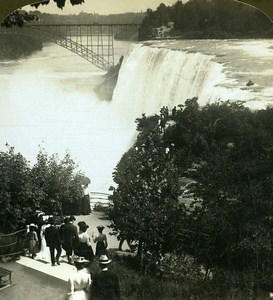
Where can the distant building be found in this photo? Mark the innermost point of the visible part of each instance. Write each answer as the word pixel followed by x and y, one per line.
pixel 163 31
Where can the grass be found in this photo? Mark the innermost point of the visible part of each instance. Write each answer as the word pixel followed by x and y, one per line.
pixel 137 286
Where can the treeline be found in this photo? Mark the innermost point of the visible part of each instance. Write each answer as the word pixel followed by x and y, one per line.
pixel 224 225
pixel 16 46
pixel 207 19
pixel 52 185
pixel 87 18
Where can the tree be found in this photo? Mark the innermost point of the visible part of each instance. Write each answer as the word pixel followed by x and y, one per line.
pixel 62 185
pixel 19 194
pixel 227 151
pixel 208 19
pixel 230 218
pixel 178 15
pixel 16 17
pixel 52 185
pixel 145 203
pixel 59 3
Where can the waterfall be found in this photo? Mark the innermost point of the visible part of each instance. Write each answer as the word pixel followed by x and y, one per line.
pixel 154 77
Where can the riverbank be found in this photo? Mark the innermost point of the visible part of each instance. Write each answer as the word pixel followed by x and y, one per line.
pixel 16 47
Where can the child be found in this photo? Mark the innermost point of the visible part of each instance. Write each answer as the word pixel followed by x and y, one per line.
pixel 32 240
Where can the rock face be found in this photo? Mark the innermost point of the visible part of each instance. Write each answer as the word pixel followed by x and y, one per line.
pixel 105 89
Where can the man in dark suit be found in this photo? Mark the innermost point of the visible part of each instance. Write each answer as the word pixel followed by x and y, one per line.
pixel 69 237
pixel 105 285
pixel 53 241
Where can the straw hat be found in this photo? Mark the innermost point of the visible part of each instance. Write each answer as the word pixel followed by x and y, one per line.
pixel 104 260
pixel 81 260
pixel 33 225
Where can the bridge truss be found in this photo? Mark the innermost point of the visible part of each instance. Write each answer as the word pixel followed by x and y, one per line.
pixel 93 42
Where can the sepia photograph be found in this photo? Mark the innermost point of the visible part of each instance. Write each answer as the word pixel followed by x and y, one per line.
pixel 136 149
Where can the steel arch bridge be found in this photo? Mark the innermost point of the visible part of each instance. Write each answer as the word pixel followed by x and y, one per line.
pixel 93 42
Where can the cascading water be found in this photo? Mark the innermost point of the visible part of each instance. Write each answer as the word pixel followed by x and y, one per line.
pixel 154 77
pixel 48 99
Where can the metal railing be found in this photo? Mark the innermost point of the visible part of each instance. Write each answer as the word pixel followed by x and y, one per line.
pixel 101 199
pixel 14 243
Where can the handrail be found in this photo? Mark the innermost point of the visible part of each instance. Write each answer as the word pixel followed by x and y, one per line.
pixel 83 24
pixel 10 254
pixel 13 243
pixel 10 234
pixel 99 193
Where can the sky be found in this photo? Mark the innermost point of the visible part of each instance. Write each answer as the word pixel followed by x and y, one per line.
pixel 104 7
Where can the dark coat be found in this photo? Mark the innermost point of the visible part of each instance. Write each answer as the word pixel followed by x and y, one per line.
pixel 105 286
pixel 70 236
pixel 52 236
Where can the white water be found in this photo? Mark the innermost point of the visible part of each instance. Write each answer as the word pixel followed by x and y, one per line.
pixel 48 99
pixel 162 77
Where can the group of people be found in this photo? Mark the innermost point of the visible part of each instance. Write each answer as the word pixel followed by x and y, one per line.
pixel 51 237
pixel 75 241
pixel 84 285
pixel 103 285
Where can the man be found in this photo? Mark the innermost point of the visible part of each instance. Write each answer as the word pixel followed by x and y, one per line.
pixel 53 241
pixel 69 237
pixel 105 285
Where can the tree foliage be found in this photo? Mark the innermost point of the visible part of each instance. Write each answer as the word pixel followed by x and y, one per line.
pixel 227 151
pixel 19 18
pixel 19 194
pixel 145 203
pixel 62 185
pixel 51 185
pixel 207 19
pixel 59 3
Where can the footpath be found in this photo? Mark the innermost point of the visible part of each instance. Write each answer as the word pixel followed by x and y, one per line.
pixel 36 279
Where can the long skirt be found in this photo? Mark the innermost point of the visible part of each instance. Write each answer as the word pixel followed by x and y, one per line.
pixel 85 251
pixel 100 248
pixel 33 247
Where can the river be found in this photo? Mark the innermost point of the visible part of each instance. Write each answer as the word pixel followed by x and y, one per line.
pixel 47 100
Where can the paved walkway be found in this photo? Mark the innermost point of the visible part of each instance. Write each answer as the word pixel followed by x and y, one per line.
pixel 32 284
pixel 61 272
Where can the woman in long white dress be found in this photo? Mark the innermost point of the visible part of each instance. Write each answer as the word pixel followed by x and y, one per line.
pixel 80 282
pixel 44 252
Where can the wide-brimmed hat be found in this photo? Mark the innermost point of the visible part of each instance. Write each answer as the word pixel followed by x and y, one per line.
pixel 81 260
pixel 82 224
pixel 100 226
pixel 104 260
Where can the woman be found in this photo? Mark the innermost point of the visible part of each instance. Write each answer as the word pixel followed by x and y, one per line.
pixel 44 252
pixel 32 237
pixel 84 248
pixel 80 282
pixel 101 241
